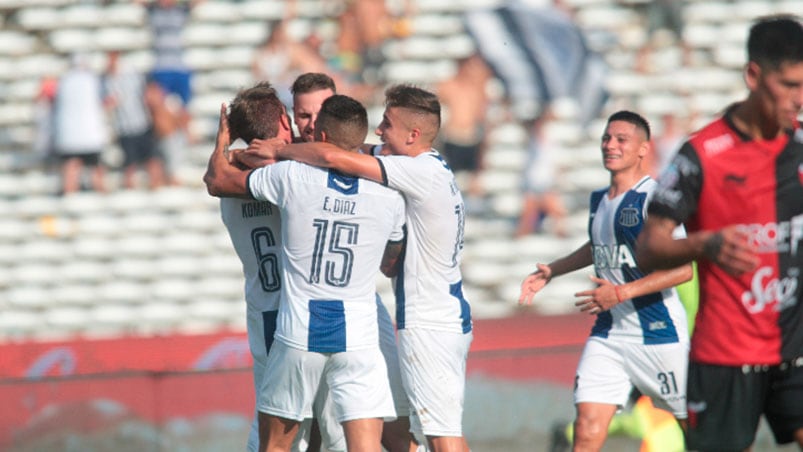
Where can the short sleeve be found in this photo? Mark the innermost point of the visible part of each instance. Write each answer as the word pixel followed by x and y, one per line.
pixel 397 233
pixel 268 183
pixel 679 186
pixel 410 175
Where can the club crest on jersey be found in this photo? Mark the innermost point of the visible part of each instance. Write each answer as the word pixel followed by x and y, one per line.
pixel 628 217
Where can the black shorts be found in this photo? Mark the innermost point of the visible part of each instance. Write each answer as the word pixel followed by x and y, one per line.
pixel 138 149
pixel 461 157
pixel 87 158
pixel 725 404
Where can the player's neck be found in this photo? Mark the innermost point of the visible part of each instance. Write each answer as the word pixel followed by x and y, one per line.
pixel 748 120
pixel 622 181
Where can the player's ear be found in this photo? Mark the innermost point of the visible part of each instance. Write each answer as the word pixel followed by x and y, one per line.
pixel 285 122
pixel 413 135
pixel 644 149
pixel 752 73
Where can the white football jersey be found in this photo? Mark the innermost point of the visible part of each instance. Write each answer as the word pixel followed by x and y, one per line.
pixel 429 288
pixel 614 225
pixel 255 230
pixel 334 232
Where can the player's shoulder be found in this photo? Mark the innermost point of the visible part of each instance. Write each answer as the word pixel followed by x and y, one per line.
pixel 714 139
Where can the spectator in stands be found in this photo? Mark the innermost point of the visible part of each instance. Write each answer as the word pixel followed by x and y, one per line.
pixel 465 101
pixel 167 20
pixel 280 59
pixel 364 28
pixel 667 141
pixel 540 198
pixel 80 129
pixel 43 119
pixel 662 15
pixel 171 141
pixel 124 96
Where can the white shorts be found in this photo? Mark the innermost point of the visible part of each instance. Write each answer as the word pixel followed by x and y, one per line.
pixel 387 343
pixel 358 383
pixel 608 371
pixel 258 344
pixel 433 366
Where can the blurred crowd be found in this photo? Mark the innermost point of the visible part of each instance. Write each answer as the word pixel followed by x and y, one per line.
pixel 145 114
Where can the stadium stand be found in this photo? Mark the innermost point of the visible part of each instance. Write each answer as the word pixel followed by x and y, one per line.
pixel 138 262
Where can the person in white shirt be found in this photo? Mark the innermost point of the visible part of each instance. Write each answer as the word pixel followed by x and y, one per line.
pixel 640 338
pixel 327 320
pixel 432 315
pixel 309 91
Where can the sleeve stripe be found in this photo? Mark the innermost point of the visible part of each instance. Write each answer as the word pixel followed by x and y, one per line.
pixel 384 180
pixel 248 184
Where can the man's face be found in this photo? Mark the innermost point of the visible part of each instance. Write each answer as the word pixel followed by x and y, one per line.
pixel 393 130
pixel 623 145
pixel 781 93
pixel 305 111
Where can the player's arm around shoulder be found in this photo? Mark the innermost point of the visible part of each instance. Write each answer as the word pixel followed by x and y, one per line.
pixel 325 155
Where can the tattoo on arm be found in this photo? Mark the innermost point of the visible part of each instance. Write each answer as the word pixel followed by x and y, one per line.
pixel 713 246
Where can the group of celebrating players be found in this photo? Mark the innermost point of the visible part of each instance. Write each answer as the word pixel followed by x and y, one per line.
pixel 313 220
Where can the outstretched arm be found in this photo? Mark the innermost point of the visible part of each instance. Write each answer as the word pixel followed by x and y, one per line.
pixel 607 295
pixel 536 280
pixel 320 154
pixel 223 179
pixel 728 247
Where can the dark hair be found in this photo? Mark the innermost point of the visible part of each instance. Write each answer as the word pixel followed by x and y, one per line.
pixel 424 105
pixel 312 81
pixel 254 113
pixel 775 40
pixel 633 118
pixel 413 98
pixel 344 120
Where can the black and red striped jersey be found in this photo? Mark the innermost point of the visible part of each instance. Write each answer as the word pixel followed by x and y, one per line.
pixel 722 177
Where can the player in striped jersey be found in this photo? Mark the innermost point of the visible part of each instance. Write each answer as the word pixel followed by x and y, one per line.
pixel 327 320
pixel 432 315
pixel 640 336
pixel 309 91
pixel 255 231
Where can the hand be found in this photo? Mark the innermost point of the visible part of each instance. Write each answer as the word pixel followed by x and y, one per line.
pixel 222 139
pixel 267 149
pixel 599 299
pixel 534 282
pixel 730 248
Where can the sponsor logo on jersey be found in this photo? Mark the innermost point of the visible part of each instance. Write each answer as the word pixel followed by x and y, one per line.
pixel 770 291
pixel 613 256
pixel 783 237
pixel 735 180
pixel 657 325
pixel 629 217
pixel 717 145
